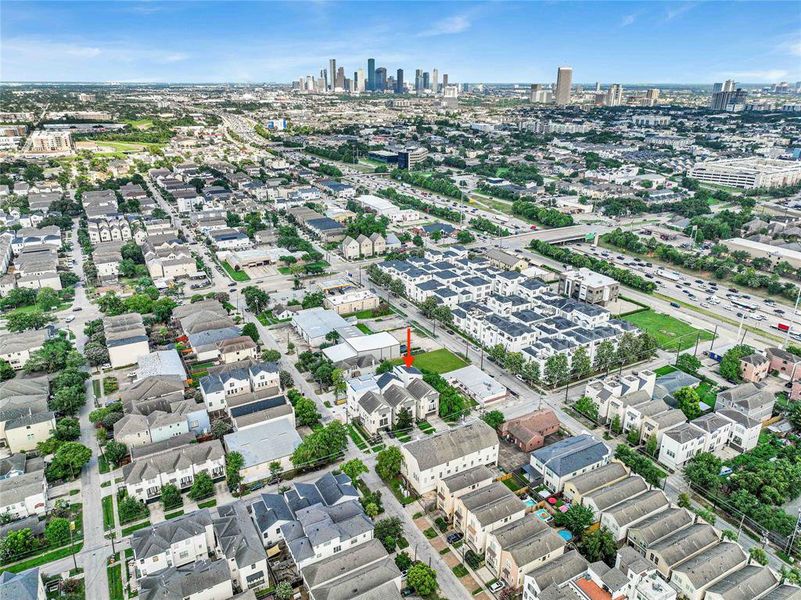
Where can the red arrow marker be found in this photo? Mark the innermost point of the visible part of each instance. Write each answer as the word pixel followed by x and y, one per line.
pixel 408 359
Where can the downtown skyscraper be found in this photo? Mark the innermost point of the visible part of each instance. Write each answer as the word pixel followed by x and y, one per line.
pixel 370 74
pixel 399 82
pixel 564 81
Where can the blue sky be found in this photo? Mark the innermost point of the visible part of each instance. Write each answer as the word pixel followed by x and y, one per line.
pixel 626 42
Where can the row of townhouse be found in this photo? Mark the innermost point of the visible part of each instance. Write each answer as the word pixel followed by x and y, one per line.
pixel 168 258
pixel 37 267
pixel 155 410
pixel 669 552
pixel 634 400
pixel 201 556
pixel 175 461
pixel 363 246
pixel 108 229
pixel 376 401
pixel 33 237
pixel 314 521
pixel 506 307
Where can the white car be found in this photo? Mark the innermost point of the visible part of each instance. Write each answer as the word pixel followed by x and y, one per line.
pixel 704 305
pixel 69 318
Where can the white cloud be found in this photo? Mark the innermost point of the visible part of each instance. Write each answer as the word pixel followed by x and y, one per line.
pixel 677 11
pixel 791 47
pixel 448 26
pixel 628 20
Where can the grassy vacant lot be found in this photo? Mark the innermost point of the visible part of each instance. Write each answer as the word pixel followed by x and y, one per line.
pixel 668 331
pixel 364 328
pixel 233 273
pixel 438 361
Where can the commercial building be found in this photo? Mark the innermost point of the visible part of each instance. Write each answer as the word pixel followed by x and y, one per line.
pixel 126 339
pixel 528 432
pixel 748 173
pixel 589 286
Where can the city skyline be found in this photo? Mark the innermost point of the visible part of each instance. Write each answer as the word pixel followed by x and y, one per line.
pixel 474 42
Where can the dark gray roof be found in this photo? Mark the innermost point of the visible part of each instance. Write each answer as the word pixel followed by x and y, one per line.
pixel 178 583
pixel 236 535
pixel 154 540
pixel 572 454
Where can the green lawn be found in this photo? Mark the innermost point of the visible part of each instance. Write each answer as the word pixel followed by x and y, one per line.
pixel 669 332
pixel 707 393
pixel 666 370
pixel 108 512
pixel 173 515
pixel 129 530
pixel 44 558
pixel 357 438
pixel 115 581
pixel 234 274
pixel 207 503
pixel 438 361
pixel 364 328
pixel 102 464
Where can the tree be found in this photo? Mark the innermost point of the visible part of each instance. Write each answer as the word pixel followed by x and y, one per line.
pixel 703 471
pixel 130 509
pixel 388 462
pixel 202 487
pixel 616 426
pixel 219 428
pixel 404 420
pixel 354 468
pixel 115 452
pixel 16 544
pixel 338 382
pixel 576 519
pixel 587 407
pixel 306 412
pixel 47 299
pixel 531 371
pixel 633 437
pixel 257 300
pixel 651 445
pixel 271 355
pixel 17 322
pixel 170 496
pixel 385 367
pixel 604 356
pixel 687 400
pixel 403 561
pixel 68 400
pixel 251 331
pixel 497 353
pixel 556 370
pixel 758 555
pixel 233 467
pixel 730 363
pixel 285 378
pixel 275 470
pixel 684 500
pixel 68 429
pixel 599 545
pixel 68 461
pixel 581 366
pixel 422 579
pixel 514 362
pixel 688 363
pixel 494 418
pixel 57 532
pixel 96 353
pixel 391 527
pixel 284 591
pixel 323 445
pixel 6 371
pixel 465 237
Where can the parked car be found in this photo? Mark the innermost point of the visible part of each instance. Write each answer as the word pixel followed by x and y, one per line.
pixel 496 587
pixel 675 305
pixel 454 537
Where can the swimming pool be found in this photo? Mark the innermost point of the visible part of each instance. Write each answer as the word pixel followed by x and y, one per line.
pixel 565 534
pixel 530 503
pixel 543 515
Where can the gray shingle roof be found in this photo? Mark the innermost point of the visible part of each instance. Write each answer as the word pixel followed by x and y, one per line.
pixel 450 445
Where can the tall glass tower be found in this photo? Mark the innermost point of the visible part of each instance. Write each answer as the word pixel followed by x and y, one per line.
pixel 370 74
